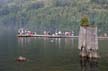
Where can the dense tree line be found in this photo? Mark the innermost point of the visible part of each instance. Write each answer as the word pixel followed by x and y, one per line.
pixel 53 15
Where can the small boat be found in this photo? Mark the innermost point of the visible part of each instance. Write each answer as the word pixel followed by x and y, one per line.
pixel 21 59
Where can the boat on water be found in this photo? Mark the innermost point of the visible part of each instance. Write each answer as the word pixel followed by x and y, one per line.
pixel 21 59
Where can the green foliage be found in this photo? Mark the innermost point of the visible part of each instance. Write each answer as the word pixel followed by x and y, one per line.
pixel 84 21
pixel 54 15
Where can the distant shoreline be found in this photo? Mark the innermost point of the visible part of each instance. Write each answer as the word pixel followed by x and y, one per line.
pixel 56 36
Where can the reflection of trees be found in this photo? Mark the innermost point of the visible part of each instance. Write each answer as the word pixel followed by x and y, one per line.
pixel 89 64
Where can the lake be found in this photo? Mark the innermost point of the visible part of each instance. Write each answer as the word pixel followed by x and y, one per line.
pixel 48 54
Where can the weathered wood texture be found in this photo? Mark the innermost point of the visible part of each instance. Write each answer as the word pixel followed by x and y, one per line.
pixel 88 38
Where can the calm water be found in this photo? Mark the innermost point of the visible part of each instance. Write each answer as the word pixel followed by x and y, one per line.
pixel 46 54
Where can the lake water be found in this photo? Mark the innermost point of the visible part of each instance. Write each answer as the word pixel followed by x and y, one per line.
pixel 48 54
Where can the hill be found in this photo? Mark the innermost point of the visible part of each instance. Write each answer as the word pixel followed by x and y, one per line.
pixel 53 15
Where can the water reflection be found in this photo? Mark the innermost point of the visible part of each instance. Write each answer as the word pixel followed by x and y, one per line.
pixel 69 42
pixel 89 64
pixel 24 42
pixel 23 46
pixel 59 42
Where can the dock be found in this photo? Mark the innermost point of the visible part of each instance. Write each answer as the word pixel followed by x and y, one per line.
pixel 57 36
pixel 48 36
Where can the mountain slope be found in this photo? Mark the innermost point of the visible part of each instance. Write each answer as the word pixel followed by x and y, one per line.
pixel 54 15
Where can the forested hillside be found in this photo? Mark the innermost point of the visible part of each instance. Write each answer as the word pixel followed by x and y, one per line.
pixel 53 15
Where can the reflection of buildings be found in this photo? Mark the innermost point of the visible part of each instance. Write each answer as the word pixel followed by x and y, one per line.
pixel 89 64
pixel 69 42
pixel 23 42
pixel 59 42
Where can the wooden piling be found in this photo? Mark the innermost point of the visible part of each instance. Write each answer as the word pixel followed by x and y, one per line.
pixel 88 41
